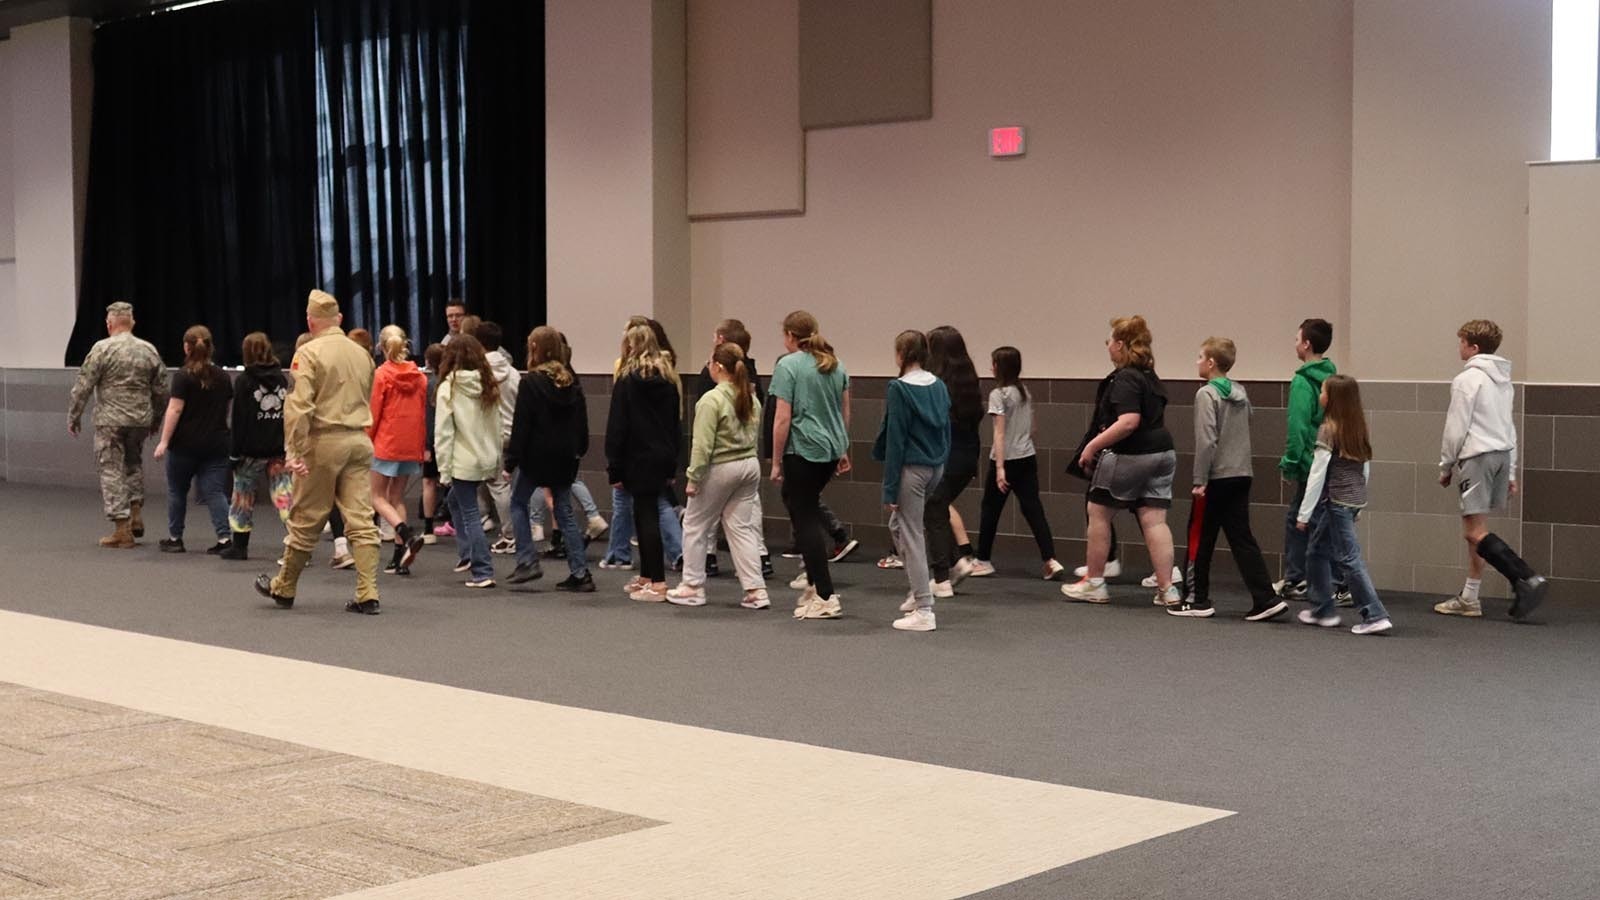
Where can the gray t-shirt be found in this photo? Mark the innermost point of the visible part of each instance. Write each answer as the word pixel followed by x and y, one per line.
pixel 1018 410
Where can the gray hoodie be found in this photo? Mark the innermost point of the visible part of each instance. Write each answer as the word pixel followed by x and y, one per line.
pixel 1221 432
pixel 1480 417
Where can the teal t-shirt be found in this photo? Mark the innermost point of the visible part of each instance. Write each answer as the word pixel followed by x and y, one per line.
pixel 816 424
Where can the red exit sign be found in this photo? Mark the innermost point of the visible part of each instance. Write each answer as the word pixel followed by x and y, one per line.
pixel 1008 141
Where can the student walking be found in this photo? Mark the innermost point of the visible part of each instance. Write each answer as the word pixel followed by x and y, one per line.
pixel 259 394
pixel 724 481
pixel 496 492
pixel 467 444
pixel 949 361
pixel 432 357
pixel 1304 417
pixel 913 444
pixel 1131 460
pixel 549 435
pixel 399 440
pixel 642 443
pixel 195 441
pixel 1479 454
pixel 619 551
pixel 1222 477
pixel 733 331
pixel 1013 466
pixel 810 444
pixel 1336 491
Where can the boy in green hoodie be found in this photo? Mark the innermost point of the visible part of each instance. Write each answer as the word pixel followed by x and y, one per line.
pixel 1311 342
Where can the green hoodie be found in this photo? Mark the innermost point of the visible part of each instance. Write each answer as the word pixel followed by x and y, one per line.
pixel 1305 417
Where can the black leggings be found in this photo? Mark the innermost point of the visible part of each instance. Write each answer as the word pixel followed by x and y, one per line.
pixel 647 528
pixel 803 481
pixel 1023 477
pixel 936 516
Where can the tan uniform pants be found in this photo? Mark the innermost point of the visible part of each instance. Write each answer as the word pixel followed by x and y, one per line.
pixel 340 465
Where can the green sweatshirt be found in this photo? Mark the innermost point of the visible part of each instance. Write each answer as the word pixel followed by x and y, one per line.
pixel 1305 417
pixel 719 436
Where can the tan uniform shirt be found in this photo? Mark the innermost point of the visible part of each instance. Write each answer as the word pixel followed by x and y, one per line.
pixel 332 390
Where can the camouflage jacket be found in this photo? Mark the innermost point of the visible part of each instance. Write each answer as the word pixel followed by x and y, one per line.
pixel 128 379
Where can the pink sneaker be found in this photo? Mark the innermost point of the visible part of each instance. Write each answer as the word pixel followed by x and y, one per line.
pixel 443 529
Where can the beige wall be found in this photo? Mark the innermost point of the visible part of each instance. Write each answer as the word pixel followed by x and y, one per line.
pixel 1186 161
pixel 1563 272
pixel 8 248
pixel 1451 99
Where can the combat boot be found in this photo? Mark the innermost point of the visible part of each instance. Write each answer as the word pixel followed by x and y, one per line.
pixel 121 536
pixel 136 518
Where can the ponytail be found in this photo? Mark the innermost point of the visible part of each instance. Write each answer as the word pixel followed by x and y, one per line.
pixel 392 340
pixel 197 354
pixel 803 326
pixel 731 359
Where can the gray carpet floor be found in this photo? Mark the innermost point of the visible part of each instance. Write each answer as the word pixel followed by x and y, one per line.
pixel 1449 759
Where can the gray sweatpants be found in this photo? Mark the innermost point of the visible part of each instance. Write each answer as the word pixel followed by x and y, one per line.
pixel 729 493
pixel 915 484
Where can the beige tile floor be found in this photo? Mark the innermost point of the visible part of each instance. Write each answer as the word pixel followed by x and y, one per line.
pixel 743 816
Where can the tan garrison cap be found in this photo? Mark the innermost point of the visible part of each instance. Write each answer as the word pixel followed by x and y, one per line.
pixel 120 308
pixel 321 305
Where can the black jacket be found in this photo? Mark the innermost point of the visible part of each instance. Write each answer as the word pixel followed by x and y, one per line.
pixel 258 395
pixel 643 433
pixel 549 431
pixel 704 383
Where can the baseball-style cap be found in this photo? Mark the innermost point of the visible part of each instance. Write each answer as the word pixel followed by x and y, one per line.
pixel 322 305
pixel 120 308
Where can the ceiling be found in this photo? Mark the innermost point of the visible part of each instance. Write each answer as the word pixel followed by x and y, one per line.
pixel 22 12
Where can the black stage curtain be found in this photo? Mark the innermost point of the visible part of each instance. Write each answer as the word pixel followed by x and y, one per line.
pixel 505 168
pixel 202 175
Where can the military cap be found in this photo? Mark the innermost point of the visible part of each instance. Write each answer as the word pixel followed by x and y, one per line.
pixel 321 305
pixel 120 308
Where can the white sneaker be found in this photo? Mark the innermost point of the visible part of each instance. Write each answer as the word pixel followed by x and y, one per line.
pixel 595 527
pixel 1378 626
pixel 538 534
pixel 1086 592
pixel 803 602
pixel 503 547
pixel 488 524
pixel 609 563
pixel 687 595
pixel 1307 618
pixel 819 608
pixel 757 600
pixel 1150 580
pixel 916 620
pixel 910 603
pixel 648 594
pixel 800 582
pixel 1459 606
pixel 342 561
pixel 481 583
pixel 1052 570
pixel 981 568
pixel 430 539
pixel 1169 597
pixel 942 589
pixel 1113 570
pixel 634 584
pixel 961 571
pixel 462 565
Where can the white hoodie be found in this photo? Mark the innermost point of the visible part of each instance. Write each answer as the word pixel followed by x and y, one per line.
pixel 1480 420
pixel 509 379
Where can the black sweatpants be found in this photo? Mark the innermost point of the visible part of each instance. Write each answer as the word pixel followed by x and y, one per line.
pixel 1023 477
pixel 1227 510
pixel 936 516
pixel 803 481
pixel 647 528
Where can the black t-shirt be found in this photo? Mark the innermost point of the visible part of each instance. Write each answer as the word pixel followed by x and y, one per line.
pixel 203 426
pixel 1132 390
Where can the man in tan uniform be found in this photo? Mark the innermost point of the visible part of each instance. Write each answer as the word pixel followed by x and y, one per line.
pixel 326 447
pixel 126 377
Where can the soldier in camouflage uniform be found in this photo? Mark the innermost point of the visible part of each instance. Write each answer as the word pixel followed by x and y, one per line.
pixel 129 383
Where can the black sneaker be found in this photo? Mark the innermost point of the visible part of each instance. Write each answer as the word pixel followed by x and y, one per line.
pixel 1529 594
pixel 264 588
pixel 365 607
pixel 524 574
pixel 792 553
pixel 392 568
pixel 556 551
pixel 1292 590
pixel 172 545
pixel 843 549
pixel 219 548
pixel 1192 610
pixel 584 585
pixel 766 566
pixel 1343 597
pixel 413 542
pixel 712 569
pixel 1270 611
pixel 403 571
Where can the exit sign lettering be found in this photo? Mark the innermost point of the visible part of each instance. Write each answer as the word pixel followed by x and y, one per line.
pixel 1008 141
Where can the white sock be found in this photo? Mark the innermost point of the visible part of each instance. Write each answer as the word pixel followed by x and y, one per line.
pixel 1096 582
pixel 341 547
pixel 1469 593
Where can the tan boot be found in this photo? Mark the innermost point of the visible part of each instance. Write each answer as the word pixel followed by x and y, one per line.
pixel 120 538
pixel 136 518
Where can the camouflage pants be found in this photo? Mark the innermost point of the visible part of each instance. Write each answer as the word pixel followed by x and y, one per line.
pixel 119 451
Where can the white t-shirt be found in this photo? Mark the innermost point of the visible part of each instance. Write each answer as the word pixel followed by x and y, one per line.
pixel 1018 410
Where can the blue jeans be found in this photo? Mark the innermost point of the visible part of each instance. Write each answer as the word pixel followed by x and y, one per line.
pixel 213 474
pixel 471 543
pixel 1294 544
pixel 619 550
pixel 523 490
pixel 580 492
pixel 1333 545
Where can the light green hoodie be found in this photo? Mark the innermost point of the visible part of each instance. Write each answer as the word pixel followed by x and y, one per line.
pixel 466 441
pixel 719 436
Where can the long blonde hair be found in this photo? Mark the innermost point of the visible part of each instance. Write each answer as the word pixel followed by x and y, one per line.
pixel 544 355
pixel 642 354
pixel 392 340
pixel 803 327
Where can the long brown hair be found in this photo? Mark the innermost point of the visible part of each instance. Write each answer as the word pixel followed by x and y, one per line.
pixel 544 355
pixel 197 352
pixel 803 326
pixel 912 348
pixel 1007 363
pixel 731 359
pixel 257 350
pixel 1136 340
pixel 464 353
pixel 1345 420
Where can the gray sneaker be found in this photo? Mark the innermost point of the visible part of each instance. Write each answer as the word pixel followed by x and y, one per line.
pixel 1459 606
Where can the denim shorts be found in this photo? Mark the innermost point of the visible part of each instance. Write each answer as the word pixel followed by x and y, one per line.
pixel 1132 482
pixel 391 469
